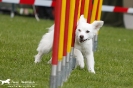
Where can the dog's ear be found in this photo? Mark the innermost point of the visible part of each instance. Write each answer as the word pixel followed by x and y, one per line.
pixel 81 20
pixel 97 25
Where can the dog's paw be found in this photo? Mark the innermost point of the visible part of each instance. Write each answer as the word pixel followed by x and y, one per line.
pixel 37 61
pixel 91 71
pixel 81 65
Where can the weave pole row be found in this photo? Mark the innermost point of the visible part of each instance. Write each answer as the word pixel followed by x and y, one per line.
pixel 67 13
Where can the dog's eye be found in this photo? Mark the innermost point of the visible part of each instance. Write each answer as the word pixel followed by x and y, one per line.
pixel 87 31
pixel 79 30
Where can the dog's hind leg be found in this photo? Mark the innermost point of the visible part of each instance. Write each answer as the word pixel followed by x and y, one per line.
pixel 41 52
pixel 44 46
pixel 42 49
pixel 38 57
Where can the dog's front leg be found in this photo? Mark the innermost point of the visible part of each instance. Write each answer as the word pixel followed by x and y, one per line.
pixel 90 62
pixel 79 58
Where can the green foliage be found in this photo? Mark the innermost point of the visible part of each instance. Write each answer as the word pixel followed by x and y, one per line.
pixel 19 38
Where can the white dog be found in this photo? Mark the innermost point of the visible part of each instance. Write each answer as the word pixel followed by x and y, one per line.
pixel 5 81
pixel 83 43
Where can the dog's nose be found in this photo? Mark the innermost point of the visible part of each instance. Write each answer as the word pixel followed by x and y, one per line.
pixel 81 36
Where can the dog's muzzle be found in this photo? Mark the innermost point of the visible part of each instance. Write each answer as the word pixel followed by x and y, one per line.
pixel 83 40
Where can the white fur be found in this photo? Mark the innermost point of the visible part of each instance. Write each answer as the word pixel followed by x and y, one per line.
pixel 5 81
pixel 83 43
pixel 45 44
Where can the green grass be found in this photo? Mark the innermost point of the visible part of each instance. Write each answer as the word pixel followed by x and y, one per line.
pixel 20 36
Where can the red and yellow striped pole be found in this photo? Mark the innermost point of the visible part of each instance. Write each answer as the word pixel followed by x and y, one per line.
pixel 89 11
pixel 61 43
pixel 94 9
pixel 96 15
pixel 79 9
pixel 86 7
pixel 69 40
pixel 76 13
pixel 64 65
pixel 70 25
pixel 82 7
pixel 99 9
pixel 53 76
pixel 62 27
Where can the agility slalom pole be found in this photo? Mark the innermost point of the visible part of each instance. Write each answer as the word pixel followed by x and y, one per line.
pixel 53 78
pixel 86 7
pixel 99 9
pixel 70 30
pixel 72 61
pixel 64 71
pixel 95 39
pixel 70 26
pixel 97 17
pixel 61 42
pixel 76 12
pixel 62 26
pixel 79 9
pixel 94 9
pixel 89 11
pixel 66 28
pixel 82 7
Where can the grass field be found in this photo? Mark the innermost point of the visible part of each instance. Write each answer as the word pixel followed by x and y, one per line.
pixel 20 36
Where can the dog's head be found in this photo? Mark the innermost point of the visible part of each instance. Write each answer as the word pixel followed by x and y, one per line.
pixel 86 31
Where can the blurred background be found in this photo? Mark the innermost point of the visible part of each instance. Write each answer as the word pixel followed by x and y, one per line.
pixel 47 12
